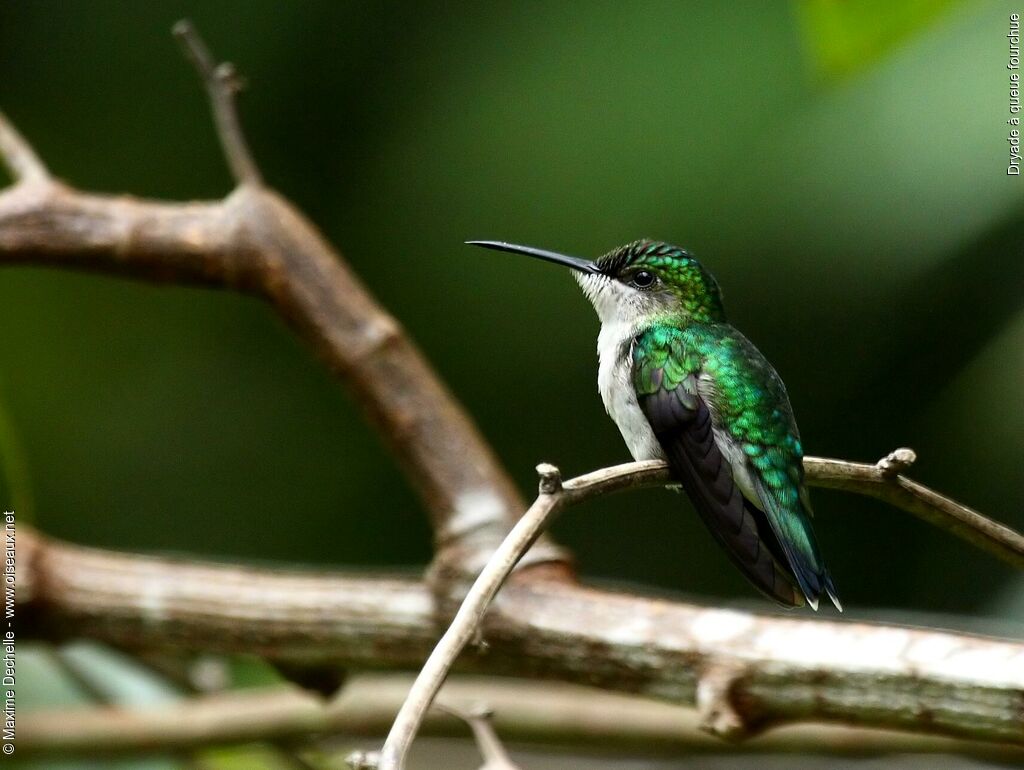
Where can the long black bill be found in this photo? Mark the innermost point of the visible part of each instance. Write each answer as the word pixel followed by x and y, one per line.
pixel 583 265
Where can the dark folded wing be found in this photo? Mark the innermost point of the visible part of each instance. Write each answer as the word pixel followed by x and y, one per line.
pixel 666 385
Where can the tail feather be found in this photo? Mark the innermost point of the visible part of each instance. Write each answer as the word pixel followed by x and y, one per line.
pixel 795 537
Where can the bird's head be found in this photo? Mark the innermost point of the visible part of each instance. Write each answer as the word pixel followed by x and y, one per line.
pixel 641 280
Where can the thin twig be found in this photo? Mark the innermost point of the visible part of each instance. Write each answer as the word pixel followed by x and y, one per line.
pixel 876 480
pixel 884 482
pixel 463 627
pixel 222 84
pixel 18 155
pixel 480 721
pixel 720 715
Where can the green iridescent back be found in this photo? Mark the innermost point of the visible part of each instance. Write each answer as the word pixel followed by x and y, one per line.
pixel 750 402
pixel 680 364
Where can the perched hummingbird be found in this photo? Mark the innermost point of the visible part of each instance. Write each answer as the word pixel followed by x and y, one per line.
pixel 684 386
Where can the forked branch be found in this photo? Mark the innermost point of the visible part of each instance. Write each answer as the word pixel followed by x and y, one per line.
pixel 222 84
pixel 718 679
pixel 255 241
pixel 791 669
pixel 18 155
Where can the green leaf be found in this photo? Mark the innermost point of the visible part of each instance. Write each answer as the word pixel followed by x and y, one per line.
pixel 845 37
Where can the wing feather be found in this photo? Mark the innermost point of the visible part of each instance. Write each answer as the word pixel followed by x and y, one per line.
pixel 773 548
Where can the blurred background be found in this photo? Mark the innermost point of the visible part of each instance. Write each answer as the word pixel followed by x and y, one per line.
pixel 839 167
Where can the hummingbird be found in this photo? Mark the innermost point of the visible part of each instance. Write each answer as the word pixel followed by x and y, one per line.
pixel 685 386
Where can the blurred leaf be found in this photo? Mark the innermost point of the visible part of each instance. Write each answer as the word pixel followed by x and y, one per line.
pixel 45 683
pixel 250 671
pixel 116 678
pixel 979 413
pixel 844 37
pixel 253 757
pixel 41 681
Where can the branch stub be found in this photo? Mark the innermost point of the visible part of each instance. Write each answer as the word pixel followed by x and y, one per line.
pixel 718 714
pixel 550 479
pixel 897 461
pixel 363 760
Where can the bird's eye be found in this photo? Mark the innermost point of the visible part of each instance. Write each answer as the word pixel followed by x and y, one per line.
pixel 643 279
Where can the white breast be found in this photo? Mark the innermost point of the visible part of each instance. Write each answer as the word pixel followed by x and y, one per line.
pixel 615 383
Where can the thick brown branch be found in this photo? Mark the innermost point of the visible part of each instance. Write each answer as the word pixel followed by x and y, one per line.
pixel 255 241
pixel 797 669
pixel 545 713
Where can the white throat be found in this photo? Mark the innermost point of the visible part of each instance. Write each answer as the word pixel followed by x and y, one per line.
pixel 622 318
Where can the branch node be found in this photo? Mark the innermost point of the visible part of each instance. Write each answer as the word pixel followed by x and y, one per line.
pixel 897 461
pixel 230 78
pixel 363 760
pixel 714 700
pixel 550 479
pixel 19 157
pixel 222 83
pixel 478 642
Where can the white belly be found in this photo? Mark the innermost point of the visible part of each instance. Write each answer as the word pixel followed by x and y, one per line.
pixel 615 383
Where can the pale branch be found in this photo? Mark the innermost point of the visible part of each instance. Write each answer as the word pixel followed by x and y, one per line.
pixel 164 681
pixel 480 718
pixel 714 699
pixel 18 155
pixel 222 85
pixel 795 668
pixel 718 681
pixel 466 622
pixel 537 712
pixel 257 242
pixel 882 481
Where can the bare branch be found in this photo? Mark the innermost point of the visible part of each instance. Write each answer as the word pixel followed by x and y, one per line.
pixel 479 718
pixel 18 155
pixel 793 669
pixel 467 620
pixel 222 85
pixel 880 482
pixel 714 696
pixel 538 712
pixel 896 462
pixel 255 241
pixel 715 684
